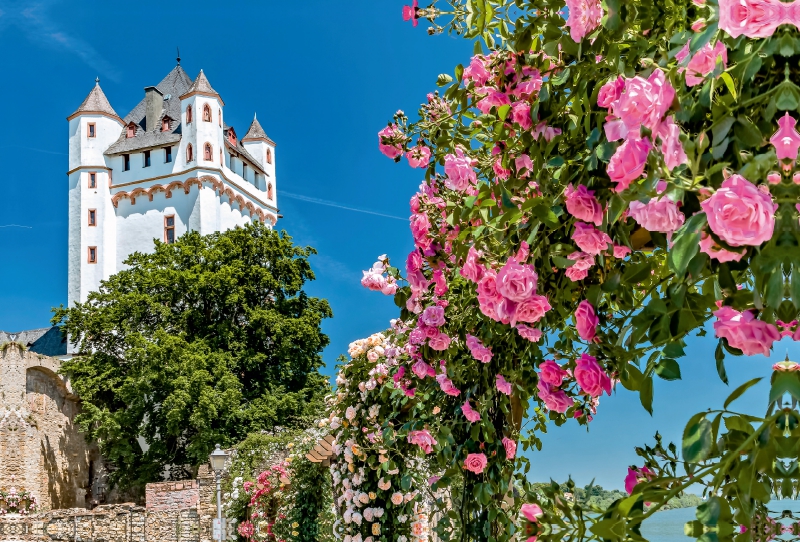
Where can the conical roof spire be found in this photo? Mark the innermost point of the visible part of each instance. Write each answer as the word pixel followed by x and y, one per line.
pixel 256 132
pixel 96 102
pixel 203 87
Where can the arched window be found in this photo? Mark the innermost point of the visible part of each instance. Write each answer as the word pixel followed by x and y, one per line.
pixel 207 156
pixel 189 114
pixel 165 124
pixel 131 130
pixel 206 113
pixel 269 191
pixel 269 156
pixel 189 155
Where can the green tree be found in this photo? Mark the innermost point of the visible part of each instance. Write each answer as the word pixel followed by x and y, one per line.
pixel 202 341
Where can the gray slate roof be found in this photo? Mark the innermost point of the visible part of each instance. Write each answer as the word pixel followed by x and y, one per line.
pixel 256 131
pixel 96 102
pixel 239 148
pixel 202 85
pixel 47 341
pixel 175 84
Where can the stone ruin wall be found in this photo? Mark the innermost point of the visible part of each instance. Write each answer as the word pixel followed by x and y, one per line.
pixel 174 512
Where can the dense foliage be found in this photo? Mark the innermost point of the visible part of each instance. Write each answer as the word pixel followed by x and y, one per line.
pixel 199 342
pixel 601 182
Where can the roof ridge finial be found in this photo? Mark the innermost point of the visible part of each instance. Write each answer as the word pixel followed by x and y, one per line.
pixel 179 56
pixel 97 81
pixel 255 116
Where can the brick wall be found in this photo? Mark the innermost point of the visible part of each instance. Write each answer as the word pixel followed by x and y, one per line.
pixel 172 495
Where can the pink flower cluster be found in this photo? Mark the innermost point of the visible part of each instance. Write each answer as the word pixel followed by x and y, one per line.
pixel 591 377
pixel 745 332
pixel 703 62
pixel 584 17
pixel 390 141
pixel 478 350
pixel 375 280
pixel 740 214
pixel 423 439
pixel 551 377
pixel 756 18
pixel 635 103
pixel 658 214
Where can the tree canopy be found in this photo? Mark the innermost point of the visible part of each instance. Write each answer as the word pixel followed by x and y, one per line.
pixel 202 341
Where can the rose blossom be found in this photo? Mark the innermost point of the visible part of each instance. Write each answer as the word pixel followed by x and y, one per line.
pixel 644 101
pixel 433 316
pixel 521 114
pixel 628 162
pixel 786 140
pixel 554 399
pixel 745 332
pixel 740 214
pixel 511 448
pixel 475 463
pixel 440 342
pixel 447 385
pixel 610 92
pixel 516 282
pixel 422 369
pixel 704 62
pixel 635 476
pixel 458 168
pixel 671 146
pixel 552 373
pixel 708 246
pixel 532 512
pixel 531 310
pixel 523 162
pixel 582 204
pixel 472 270
pixel 589 239
pixel 419 156
pixel 397 498
pixel 420 226
pixel 423 439
pixel 753 18
pixel 584 17
pixel 503 385
pixel 492 98
pixel 391 150
pixel 586 321
pixel 661 215
pixel 620 251
pixel 478 350
pixel 579 270
pixel 529 333
pixel 477 70
pixel 469 413
pixel 592 378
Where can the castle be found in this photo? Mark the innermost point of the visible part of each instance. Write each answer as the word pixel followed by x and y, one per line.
pixel 170 166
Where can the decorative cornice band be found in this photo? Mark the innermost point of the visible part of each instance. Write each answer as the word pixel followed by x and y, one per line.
pixel 70 172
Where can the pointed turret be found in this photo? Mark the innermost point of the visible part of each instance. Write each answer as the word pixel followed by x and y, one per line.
pixel 203 87
pixel 96 103
pixel 256 132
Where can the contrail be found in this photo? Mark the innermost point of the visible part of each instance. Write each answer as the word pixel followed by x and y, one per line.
pixel 15 226
pixel 334 204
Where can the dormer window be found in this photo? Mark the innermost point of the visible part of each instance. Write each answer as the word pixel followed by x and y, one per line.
pixel 189 115
pixel 232 136
pixel 165 124
pixel 206 113
pixel 131 130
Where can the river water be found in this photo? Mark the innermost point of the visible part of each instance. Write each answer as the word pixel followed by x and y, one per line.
pixel 667 526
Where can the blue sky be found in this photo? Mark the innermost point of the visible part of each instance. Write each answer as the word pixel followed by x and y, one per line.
pixel 324 77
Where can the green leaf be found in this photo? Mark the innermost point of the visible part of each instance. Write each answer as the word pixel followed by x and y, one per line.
pixel 546 215
pixel 728 80
pixel 668 369
pixel 635 274
pixel 459 72
pixel 748 133
pixel 785 382
pixel 646 394
pixel 720 363
pixel 502 111
pixel 443 80
pixel 687 244
pixel 696 439
pixel 708 512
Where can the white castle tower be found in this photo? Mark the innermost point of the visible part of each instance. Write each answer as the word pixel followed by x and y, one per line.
pixel 171 165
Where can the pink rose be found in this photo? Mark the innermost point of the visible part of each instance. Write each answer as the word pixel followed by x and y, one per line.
pixel 586 321
pixel 753 18
pixel 529 333
pixel 516 282
pixel 423 439
pixel 740 214
pixel 472 270
pixel 745 332
pixel 523 163
pixel 641 103
pixel 532 512
pixel 458 168
pixel 592 378
pixel 708 246
pixel 610 92
pixel 478 350
pixel 419 156
pixel 423 370
pixel 621 251
pixel 373 281
pixel 385 138
pixel 447 385
pixel 704 61
pixel 531 310
pixel 786 140
pixel 635 476
pixel 503 385
pixel 511 448
pixel 615 129
pixel 475 463
pixel 477 71
pixel 420 226
pixel 661 215
pixel 542 129
pixel 582 204
pixel 579 270
pixel 553 398
pixel 628 162
pixel 469 413
pixel 589 239
pixel 506 311
pixel 492 98
pixel 440 342
pixel 552 373
pixel 671 146
pixel 521 114
pixel 433 316
pixel 584 17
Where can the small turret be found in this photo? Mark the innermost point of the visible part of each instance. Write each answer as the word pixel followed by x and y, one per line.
pixel 262 148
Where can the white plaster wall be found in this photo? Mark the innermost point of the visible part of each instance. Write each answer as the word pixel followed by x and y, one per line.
pixel 86 151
